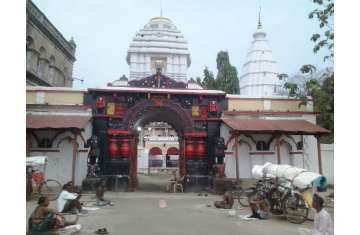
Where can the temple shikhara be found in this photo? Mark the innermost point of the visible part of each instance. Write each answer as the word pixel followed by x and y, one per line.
pixel 157 118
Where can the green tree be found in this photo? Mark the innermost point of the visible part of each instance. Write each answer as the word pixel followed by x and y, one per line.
pixel 226 79
pixel 208 81
pixel 324 13
pixel 320 92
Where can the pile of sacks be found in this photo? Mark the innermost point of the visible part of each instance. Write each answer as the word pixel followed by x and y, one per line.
pixel 299 177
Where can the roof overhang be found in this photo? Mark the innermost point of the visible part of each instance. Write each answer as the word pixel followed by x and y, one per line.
pixel 51 121
pixel 261 126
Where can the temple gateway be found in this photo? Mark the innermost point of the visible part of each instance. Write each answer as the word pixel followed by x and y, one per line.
pixel 156 118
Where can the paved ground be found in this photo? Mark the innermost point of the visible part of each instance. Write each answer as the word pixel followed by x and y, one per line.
pixel 139 213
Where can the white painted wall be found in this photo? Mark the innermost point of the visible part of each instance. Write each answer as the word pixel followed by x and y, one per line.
pixel 59 165
pixel 327 156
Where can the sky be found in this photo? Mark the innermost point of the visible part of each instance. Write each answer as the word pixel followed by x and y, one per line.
pixel 103 31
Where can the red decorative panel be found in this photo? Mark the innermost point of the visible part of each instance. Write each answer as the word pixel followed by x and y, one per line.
pixel 119 109
pixel 204 111
pixel 195 134
pixel 200 149
pixel 125 148
pixel 213 107
pixel 100 102
pixel 118 132
pixel 113 148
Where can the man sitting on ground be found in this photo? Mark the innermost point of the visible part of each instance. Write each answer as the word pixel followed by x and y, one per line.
pixel 45 219
pixel 226 203
pixel 260 206
pixel 323 224
pixel 69 201
pixel 100 190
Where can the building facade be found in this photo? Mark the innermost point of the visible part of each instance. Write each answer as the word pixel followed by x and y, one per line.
pixel 159 45
pixel 49 56
pixel 57 126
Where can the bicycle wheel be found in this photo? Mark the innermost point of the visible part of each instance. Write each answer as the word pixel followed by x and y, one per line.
pixel 295 209
pixel 50 189
pixel 244 197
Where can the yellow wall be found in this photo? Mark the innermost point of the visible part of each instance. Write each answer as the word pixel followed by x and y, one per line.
pixel 56 97
pixel 258 104
pixel 236 104
pixel 291 105
pixel 64 98
pixel 30 97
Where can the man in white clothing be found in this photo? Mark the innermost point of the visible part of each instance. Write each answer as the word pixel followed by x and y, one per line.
pixel 323 224
pixel 68 201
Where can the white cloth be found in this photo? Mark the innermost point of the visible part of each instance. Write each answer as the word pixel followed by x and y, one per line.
pixel 323 224
pixel 63 198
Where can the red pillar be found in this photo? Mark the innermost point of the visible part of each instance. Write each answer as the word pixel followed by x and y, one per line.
pixel 133 163
pixel 182 157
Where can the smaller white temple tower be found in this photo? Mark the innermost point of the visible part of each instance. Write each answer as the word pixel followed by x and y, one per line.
pixel 259 72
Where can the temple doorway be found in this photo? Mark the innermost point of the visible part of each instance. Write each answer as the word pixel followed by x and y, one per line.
pixel 157 155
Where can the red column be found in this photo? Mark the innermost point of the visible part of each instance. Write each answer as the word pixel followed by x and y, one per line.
pixel 182 157
pixel 133 164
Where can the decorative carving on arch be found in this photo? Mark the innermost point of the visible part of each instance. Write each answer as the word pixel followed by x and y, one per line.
pixel 158 110
pixel 157 81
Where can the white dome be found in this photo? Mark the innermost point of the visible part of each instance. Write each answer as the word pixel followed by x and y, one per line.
pixel 158 40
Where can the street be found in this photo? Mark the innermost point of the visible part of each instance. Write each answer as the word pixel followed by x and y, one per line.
pixel 140 213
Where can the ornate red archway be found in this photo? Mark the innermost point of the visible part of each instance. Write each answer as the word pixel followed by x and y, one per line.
pixel 172 151
pixel 155 151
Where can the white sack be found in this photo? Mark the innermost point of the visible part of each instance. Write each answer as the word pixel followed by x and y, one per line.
pixel 36 161
pixel 299 177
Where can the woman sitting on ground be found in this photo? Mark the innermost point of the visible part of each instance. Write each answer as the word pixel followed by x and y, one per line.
pixel 45 219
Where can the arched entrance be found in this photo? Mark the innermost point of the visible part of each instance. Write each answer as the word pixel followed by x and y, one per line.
pixel 157 110
pixel 119 112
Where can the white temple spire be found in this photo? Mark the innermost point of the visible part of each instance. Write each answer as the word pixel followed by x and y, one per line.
pixel 259 19
pixel 160 7
pixel 259 72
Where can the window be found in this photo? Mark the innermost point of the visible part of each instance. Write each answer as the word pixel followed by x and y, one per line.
pixel 155 26
pixel 300 145
pixel 262 146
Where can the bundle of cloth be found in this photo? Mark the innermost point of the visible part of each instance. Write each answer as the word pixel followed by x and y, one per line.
pixel 299 177
pixel 36 161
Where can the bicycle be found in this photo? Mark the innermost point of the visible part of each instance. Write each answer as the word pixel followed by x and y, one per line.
pixel 44 187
